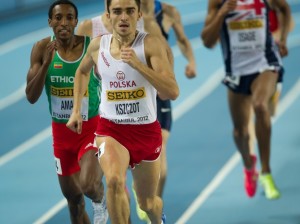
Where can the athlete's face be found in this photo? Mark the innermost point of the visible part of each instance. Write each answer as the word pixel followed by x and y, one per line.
pixel 123 15
pixel 63 21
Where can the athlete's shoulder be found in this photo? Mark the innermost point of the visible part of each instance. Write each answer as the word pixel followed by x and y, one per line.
pixel 85 27
pixel 42 44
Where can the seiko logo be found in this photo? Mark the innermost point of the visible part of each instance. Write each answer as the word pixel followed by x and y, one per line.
pixel 126 95
pixel 104 59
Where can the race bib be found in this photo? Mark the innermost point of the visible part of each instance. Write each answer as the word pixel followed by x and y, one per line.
pixel 62 103
pixel 247 35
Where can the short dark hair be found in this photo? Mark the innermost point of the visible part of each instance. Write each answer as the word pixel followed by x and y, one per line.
pixel 108 3
pixel 62 2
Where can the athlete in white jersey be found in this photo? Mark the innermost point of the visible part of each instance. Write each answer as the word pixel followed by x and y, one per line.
pixel 253 67
pixel 144 69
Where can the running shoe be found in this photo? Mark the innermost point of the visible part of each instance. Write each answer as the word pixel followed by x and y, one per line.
pixel 100 212
pixel 163 219
pixel 251 178
pixel 140 213
pixel 270 189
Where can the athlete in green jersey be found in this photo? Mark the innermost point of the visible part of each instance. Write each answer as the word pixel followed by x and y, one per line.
pixel 53 64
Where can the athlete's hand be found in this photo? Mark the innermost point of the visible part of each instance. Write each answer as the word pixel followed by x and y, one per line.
pixel 190 71
pixel 128 55
pixel 228 6
pixel 283 50
pixel 75 123
pixel 50 50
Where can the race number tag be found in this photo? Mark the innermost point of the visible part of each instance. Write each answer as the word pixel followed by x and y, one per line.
pixel 247 35
pixel 233 80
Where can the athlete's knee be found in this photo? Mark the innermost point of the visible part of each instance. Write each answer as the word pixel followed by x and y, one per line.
pixel 241 132
pixel 91 186
pixel 115 182
pixel 261 107
pixel 76 204
pixel 146 204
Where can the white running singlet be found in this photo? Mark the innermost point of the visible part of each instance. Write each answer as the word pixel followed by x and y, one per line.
pixel 126 97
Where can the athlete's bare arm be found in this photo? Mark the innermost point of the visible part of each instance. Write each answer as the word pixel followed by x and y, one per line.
pixel 285 23
pixel 159 71
pixel 40 59
pixel 85 28
pixel 214 20
pixel 81 82
pixel 182 40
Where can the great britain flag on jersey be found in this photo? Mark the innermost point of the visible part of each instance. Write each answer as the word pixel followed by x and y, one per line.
pixel 256 6
pixel 248 15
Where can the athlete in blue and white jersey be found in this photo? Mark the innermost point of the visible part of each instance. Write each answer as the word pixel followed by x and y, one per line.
pixel 253 68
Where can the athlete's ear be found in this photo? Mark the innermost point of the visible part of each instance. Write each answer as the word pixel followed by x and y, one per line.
pixel 49 22
pixel 107 15
pixel 140 14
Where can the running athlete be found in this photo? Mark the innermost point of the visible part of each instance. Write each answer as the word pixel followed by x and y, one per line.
pixel 53 64
pixel 100 25
pixel 253 67
pixel 133 71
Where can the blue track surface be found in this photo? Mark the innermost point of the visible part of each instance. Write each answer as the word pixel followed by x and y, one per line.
pixel 205 181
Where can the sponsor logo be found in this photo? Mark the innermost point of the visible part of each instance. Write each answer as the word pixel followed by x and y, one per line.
pixel 118 95
pixel 104 59
pixel 248 24
pixel 158 149
pixel 63 92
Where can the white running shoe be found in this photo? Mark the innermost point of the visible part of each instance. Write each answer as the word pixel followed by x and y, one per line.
pixel 100 212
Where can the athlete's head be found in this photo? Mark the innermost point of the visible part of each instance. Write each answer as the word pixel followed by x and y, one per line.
pixel 109 2
pixel 62 2
pixel 62 19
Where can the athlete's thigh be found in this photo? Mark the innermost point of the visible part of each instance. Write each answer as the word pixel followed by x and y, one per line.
pixel 113 157
pixel 146 177
pixel 163 155
pixel 90 170
pixel 264 86
pixel 240 108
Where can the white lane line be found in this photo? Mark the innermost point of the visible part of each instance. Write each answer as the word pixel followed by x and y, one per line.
pixel 13 98
pixel 29 144
pixel 284 104
pixel 54 210
pixel 203 91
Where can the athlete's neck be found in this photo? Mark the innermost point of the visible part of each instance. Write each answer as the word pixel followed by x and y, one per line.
pixel 125 41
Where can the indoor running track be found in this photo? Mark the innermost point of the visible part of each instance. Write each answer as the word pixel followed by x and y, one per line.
pixel 205 181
